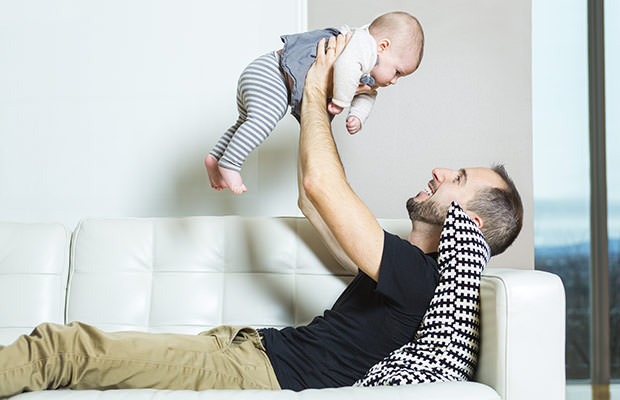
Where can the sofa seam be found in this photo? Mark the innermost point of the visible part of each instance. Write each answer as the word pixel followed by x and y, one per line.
pixel 71 269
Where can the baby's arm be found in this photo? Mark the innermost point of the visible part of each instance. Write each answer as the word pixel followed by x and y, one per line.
pixel 361 106
pixel 357 58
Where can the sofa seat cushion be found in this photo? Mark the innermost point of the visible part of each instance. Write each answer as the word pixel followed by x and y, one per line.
pixel 427 391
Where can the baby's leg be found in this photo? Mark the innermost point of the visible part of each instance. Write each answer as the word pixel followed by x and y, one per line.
pixel 264 96
pixel 215 178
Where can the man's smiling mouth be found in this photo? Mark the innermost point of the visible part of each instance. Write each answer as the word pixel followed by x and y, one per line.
pixel 430 190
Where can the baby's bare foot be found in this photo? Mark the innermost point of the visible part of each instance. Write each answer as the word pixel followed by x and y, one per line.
pixel 233 180
pixel 217 182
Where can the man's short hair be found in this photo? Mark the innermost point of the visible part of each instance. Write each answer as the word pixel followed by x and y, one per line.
pixel 501 210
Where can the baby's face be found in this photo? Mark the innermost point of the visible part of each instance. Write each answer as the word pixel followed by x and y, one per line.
pixel 392 65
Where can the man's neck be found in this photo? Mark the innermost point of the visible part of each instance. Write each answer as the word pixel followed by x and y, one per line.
pixel 425 236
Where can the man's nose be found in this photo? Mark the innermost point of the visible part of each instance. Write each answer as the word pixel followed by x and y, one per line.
pixel 440 174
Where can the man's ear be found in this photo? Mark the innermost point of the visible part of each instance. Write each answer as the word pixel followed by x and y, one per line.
pixel 383 45
pixel 476 218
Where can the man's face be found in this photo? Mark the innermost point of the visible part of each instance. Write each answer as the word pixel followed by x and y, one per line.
pixel 431 204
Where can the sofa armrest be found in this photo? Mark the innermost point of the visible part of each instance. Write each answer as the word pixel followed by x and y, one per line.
pixel 522 334
pixel 34 264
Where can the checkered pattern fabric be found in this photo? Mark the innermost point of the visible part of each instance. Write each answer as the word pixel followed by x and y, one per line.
pixel 445 347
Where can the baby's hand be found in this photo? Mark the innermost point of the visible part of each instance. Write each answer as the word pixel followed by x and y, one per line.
pixel 334 109
pixel 353 124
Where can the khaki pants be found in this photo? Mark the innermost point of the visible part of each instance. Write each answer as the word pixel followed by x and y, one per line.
pixel 79 356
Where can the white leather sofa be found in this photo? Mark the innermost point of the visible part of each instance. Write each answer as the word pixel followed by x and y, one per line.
pixel 188 275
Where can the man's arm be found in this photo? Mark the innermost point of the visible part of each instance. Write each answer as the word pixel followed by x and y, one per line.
pixel 347 218
pixel 307 208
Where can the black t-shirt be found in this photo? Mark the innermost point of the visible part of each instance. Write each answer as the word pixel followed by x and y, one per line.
pixel 368 321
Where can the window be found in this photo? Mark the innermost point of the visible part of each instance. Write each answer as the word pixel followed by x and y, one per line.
pixel 561 163
pixel 612 94
pixel 562 153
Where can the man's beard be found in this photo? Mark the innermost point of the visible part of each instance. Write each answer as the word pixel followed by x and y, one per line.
pixel 427 211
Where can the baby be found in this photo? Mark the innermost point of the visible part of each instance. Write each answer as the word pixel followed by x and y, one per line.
pixel 376 56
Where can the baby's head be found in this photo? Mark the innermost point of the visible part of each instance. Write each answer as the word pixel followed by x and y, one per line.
pixel 400 41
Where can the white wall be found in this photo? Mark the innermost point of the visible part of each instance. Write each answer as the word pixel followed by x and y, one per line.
pixel 108 108
pixel 469 104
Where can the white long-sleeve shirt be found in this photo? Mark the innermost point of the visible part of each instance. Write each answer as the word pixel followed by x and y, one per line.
pixel 356 61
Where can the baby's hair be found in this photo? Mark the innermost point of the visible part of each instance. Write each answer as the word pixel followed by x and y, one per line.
pixel 402 28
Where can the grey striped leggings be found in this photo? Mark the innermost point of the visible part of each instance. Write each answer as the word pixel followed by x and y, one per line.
pixel 262 100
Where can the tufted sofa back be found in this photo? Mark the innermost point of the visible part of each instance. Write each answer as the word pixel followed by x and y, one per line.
pixel 192 274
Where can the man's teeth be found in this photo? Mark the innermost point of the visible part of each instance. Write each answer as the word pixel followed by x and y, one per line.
pixel 428 191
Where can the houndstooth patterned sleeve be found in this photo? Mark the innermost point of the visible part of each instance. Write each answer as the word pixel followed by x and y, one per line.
pixel 445 347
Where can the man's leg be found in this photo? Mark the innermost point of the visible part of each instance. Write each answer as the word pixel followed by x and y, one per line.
pixel 79 356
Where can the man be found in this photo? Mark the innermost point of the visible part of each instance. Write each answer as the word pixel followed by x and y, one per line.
pixel 378 312
pixel 382 308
